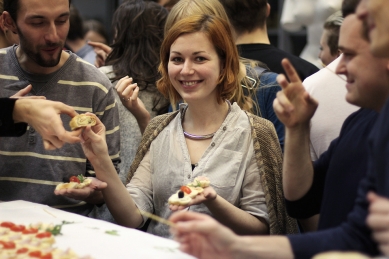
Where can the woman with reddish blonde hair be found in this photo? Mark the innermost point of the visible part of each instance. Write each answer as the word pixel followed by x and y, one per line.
pixel 207 136
pixel 258 86
pixel 220 36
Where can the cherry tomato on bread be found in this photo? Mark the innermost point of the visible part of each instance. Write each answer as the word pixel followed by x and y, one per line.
pixel 186 189
pixel 74 179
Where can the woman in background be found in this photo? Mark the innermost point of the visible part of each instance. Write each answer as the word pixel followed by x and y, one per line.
pixel 138 27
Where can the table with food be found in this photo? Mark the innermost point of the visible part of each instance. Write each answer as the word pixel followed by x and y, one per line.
pixel 31 230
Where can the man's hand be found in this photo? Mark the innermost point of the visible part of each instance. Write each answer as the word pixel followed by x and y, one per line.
pixel 202 236
pixel 90 193
pixel 22 94
pixel 293 105
pixel 378 220
pixel 102 51
pixel 44 117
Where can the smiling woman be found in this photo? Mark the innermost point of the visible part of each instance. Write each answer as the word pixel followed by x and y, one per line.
pixel 238 152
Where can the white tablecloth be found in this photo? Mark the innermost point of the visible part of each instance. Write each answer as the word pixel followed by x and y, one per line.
pixel 88 236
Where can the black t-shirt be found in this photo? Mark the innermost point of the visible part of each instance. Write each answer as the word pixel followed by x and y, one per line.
pixel 272 57
pixel 7 126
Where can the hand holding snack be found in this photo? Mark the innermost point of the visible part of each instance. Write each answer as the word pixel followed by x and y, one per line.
pixel 82 120
pixel 75 182
pixel 94 143
pixel 44 117
pixel 80 190
pixel 196 192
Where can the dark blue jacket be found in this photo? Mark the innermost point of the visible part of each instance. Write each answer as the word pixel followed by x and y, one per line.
pixel 354 234
pixel 265 95
pixel 337 173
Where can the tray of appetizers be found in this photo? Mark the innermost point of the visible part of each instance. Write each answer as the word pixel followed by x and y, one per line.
pixel 31 230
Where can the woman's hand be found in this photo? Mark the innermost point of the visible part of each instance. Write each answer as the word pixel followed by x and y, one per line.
pixel 93 141
pixel 128 93
pixel 208 195
pixel 86 193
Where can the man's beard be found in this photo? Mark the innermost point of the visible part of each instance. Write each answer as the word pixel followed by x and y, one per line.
pixel 36 56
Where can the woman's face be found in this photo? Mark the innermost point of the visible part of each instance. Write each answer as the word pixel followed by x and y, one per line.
pixel 194 67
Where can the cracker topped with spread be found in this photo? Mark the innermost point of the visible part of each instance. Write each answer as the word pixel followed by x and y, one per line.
pixel 188 192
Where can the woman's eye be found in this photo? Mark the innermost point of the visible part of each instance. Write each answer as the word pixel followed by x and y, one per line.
pixel 176 59
pixel 200 59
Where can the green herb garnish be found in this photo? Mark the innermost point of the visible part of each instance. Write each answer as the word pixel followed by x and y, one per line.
pixel 112 232
pixel 81 178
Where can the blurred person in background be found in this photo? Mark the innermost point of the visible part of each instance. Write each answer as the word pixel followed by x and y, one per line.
pixel 76 41
pixel 95 31
pixel 329 50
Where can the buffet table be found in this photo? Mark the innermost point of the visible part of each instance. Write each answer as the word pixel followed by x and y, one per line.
pixel 90 237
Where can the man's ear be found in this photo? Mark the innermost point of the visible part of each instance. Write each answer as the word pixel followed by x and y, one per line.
pixel 8 23
pixel 268 10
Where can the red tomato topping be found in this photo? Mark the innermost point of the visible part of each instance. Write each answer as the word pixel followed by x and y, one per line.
pixel 35 254
pixel 30 231
pixel 47 256
pixel 43 235
pixel 74 179
pixel 186 189
pixel 18 228
pixel 8 245
pixel 22 250
pixel 7 224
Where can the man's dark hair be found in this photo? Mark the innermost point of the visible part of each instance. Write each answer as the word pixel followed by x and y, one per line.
pixel 76 25
pixel 349 7
pixel 246 15
pixel 12 6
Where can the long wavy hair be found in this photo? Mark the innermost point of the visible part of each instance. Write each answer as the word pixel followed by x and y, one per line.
pixel 138 26
pixel 219 33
